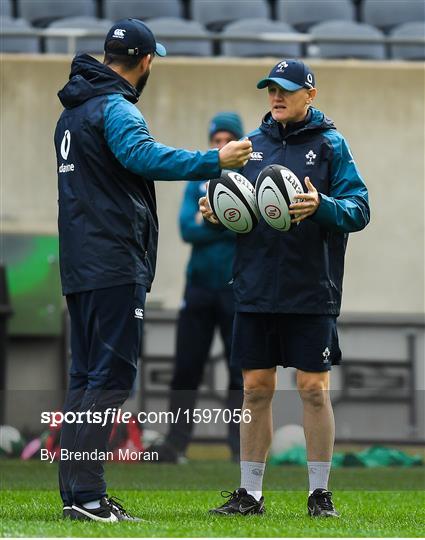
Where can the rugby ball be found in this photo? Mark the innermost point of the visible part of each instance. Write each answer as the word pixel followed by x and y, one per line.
pixel 287 437
pixel 11 442
pixel 275 189
pixel 232 199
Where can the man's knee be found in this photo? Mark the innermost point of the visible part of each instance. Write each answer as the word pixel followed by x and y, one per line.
pixel 313 388
pixel 259 386
pixel 119 380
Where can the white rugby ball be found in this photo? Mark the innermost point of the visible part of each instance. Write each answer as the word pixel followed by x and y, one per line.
pixel 11 442
pixel 287 437
pixel 275 189
pixel 232 199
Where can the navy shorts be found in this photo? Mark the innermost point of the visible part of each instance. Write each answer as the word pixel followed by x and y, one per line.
pixel 266 340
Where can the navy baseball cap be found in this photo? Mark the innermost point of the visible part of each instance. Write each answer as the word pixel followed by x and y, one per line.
pixel 291 75
pixel 137 39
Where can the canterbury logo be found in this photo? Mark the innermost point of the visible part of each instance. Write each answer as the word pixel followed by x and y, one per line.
pixel 138 313
pixel 119 33
pixel 256 156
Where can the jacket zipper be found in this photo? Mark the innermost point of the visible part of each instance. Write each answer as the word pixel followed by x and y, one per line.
pixel 284 149
pixel 284 145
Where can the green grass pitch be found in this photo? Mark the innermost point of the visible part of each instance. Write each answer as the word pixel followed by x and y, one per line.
pixel 174 501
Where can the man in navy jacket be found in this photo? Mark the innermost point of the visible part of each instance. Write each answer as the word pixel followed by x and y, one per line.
pixel 108 231
pixel 288 286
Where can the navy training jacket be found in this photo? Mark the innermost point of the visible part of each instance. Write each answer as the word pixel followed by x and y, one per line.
pixel 213 250
pixel 301 271
pixel 107 162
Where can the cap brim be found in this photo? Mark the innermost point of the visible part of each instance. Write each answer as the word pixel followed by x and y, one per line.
pixel 283 83
pixel 160 49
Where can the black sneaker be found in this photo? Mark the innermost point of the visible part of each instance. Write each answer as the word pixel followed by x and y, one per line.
pixel 109 511
pixel 320 504
pixel 239 502
pixel 67 512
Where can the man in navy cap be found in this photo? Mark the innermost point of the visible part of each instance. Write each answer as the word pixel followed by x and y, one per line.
pixel 207 305
pixel 288 286
pixel 108 233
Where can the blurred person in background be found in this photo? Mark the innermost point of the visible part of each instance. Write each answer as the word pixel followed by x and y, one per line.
pixel 207 304
pixel 108 234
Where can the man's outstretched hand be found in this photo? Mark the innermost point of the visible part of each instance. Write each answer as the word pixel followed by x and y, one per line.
pixel 235 154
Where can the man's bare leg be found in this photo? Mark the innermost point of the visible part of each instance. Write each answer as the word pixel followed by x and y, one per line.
pixel 256 435
pixel 319 425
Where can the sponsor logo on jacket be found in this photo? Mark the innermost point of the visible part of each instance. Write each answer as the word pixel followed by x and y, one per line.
pixel 64 150
pixel 66 144
pixel 256 156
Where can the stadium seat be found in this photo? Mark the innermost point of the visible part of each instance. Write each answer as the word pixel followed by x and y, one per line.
pixel 43 12
pixel 215 14
pixel 254 27
pixel 302 14
pixel 5 8
pixel 409 52
pixel 386 14
pixel 346 30
pixel 17 44
pixel 141 9
pixel 188 47
pixel 92 45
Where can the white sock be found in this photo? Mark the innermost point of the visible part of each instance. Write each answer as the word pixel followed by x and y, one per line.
pixel 92 504
pixel 252 473
pixel 318 474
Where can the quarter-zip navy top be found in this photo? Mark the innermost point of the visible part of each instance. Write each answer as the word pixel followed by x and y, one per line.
pixel 301 271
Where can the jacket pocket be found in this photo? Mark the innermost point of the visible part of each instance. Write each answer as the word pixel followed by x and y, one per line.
pixel 142 229
pixel 147 237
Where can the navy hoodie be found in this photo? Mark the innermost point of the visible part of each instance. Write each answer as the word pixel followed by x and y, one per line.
pixel 301 271
pixel 107 162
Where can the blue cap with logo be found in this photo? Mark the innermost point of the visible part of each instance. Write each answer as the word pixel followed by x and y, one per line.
pixel 136 39
pixel 291 75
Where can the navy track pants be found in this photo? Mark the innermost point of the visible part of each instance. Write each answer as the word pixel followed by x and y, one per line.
pixel 106 337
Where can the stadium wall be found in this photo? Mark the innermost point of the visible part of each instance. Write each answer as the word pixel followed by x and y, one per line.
pixel 379 107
